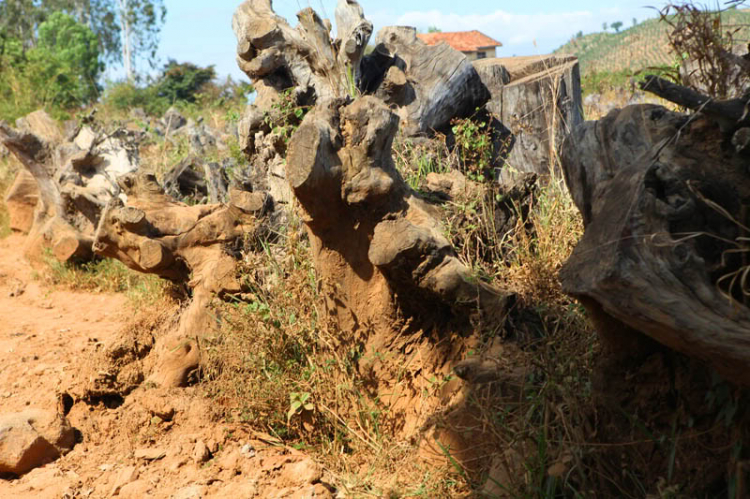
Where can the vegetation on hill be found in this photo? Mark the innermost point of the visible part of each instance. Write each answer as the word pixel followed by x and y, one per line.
pixel 645 45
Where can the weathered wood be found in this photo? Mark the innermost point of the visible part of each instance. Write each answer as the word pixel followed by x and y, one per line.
pixel 73 183
pixel 539 99
pixel 353 33
pixel 155 234
pixel 360 212
pixel 729 114
pixel 92 198
pixel 21 200
pixel 440 82
pixel 665 210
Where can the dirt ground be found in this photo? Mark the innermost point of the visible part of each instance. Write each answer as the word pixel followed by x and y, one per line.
pixel 149 443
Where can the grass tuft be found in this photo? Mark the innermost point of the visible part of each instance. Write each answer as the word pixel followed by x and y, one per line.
pixel 106 276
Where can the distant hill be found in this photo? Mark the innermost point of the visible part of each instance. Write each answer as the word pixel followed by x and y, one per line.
pixel 641 46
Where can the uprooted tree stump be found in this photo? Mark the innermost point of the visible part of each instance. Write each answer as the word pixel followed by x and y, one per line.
pixel 301 67
pixel 391 281
pixel 664 198
pixel 88 197
pixel 155 234
pixel 72 182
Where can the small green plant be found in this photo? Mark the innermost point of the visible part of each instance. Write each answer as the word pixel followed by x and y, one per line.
pixel 298 402
pixel 474 145
pixel 285 116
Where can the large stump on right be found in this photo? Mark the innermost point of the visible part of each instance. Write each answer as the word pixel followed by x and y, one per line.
pixel 666 252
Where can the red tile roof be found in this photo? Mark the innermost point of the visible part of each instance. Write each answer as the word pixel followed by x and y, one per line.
pixel 463 41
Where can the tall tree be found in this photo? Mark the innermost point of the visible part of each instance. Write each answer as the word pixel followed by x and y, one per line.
pixel 140 24
pixel 19 20
pixel 126 30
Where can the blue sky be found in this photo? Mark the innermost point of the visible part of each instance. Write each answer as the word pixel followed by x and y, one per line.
pixel 200 31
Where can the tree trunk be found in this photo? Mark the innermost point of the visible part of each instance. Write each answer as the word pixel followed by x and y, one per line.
pixel 93 199
pixel 539 99
pixel 664 202
pixel 392 282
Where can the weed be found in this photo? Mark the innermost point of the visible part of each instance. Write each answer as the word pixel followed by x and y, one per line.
pixel 417 160
pixel 474 147
pixel 701 39
pixel 285 115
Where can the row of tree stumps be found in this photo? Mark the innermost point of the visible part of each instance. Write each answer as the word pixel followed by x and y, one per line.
pixel 663 197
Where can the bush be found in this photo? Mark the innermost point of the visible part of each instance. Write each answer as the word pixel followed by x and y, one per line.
pixel 125 95
pixel 184 85
pixel 58 74
pixel 183 81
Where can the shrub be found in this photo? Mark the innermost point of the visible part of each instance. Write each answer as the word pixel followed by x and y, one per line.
pixel 183 81
pixel 58 74
pixel 125 95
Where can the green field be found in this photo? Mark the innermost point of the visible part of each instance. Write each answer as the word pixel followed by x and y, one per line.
pixel 642 46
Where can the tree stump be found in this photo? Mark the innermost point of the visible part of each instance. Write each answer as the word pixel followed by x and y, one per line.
pixel 664 198
pixel 392 282
pixel 539 99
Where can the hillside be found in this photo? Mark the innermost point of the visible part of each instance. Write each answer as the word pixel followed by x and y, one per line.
pixel 641 46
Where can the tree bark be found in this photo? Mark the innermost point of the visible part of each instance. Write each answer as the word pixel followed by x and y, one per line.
pixel 664 203
pixel 539 99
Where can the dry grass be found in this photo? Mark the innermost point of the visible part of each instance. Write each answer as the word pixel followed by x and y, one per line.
pixel 275 346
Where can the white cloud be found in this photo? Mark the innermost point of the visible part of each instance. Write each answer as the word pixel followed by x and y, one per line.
pixel 522 33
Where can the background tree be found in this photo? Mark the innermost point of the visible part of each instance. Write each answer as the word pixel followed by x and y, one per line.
pixel 19 20
pixel 183 81
pixel 434 29
pixel 617 25
pixel 635 22
pixel 58 73
pixel 140 24
pixel 604 26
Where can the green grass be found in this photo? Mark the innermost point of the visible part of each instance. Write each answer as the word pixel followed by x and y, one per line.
pixel 105 276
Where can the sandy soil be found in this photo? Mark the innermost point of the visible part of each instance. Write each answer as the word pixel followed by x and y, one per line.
pixel 150 443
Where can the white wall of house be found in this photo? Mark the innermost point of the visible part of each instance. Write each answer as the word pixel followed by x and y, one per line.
pixel 488 53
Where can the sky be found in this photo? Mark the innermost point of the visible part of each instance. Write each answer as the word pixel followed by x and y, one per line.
pixel 200 31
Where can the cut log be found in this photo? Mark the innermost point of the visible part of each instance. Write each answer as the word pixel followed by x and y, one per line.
pixel 539 99
pixel 21 201
pixel 665 207
pixel 431 85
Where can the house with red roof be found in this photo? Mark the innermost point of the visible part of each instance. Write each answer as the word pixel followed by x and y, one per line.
pixel 475 44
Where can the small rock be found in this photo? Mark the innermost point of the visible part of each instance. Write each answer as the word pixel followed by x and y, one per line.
pixel 230 460
pixel 191 492
pixel 302 472
pixel 137 489
pixel 201 454
pixel 247 451
pixel 150 454
pixel 126 476
pixel 159 407
pixel 31 439
pixel 213 446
